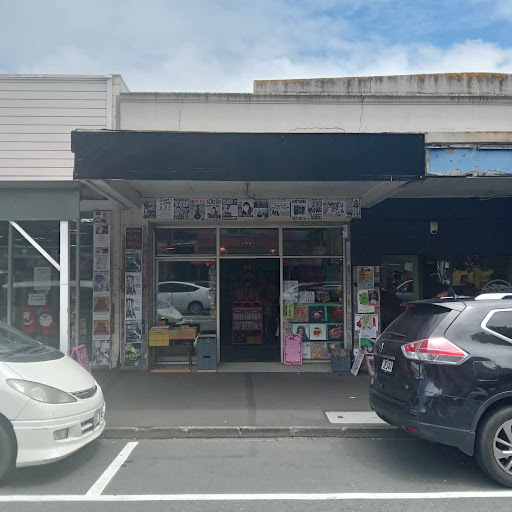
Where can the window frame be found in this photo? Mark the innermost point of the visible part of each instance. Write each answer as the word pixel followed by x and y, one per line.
pixel 486 319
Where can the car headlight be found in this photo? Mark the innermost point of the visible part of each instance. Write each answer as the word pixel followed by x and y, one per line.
pixel 40 392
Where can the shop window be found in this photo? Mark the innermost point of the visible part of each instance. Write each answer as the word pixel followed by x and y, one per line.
pixel 186 295
pixel 84 322
pixel 313 298
pixel 312 242
pixel 177 242
pixel 36 283
pixel 250 241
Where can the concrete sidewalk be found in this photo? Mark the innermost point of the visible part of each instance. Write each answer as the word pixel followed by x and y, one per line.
pixel 148 405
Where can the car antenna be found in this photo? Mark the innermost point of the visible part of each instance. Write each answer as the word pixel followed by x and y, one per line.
pixel 455 296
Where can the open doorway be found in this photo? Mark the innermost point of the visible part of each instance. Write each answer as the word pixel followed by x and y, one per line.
pixel 249 310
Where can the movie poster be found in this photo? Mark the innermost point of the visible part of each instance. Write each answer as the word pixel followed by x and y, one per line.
pixel 261 209
pixel 149 208
pixel 213 209
pixel 197 210
pixel 315 209
pixel 181 209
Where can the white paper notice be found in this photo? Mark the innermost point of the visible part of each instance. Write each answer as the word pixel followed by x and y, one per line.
pixel 280 208
pixel 42 278
pixel 164 208
pixel 299 209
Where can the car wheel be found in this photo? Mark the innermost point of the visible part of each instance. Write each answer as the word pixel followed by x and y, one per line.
pixel 195 308
pixel 493 449
pixel 7 452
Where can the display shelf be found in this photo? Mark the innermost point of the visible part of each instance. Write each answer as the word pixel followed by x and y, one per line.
pixel 247 322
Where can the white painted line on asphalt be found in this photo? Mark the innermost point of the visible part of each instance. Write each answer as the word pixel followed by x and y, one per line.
pixel 354 417
pixel 108 474
pixel 261 497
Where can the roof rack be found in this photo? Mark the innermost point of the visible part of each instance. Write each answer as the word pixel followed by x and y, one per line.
pixel 494 296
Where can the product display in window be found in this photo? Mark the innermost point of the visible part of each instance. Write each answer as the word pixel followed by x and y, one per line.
pixel 318 313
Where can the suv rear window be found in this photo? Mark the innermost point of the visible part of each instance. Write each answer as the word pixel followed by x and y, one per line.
pixel 417 322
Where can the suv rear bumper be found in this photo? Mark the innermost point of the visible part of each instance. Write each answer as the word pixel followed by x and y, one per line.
pixel 395 413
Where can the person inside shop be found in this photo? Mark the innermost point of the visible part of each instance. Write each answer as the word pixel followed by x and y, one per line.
pixel 441 291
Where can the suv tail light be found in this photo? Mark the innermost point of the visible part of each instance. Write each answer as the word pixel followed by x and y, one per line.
pixel 434 350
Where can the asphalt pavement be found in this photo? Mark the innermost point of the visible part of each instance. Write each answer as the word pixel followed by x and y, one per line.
pixel 256 474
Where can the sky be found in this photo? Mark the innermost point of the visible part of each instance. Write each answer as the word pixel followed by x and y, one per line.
pixel 223 45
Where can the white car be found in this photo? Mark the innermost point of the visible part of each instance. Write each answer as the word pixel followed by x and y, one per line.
pixel 50 406
pixel 185 297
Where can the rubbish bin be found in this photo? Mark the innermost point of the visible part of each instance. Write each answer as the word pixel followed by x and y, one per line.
pixel 206 351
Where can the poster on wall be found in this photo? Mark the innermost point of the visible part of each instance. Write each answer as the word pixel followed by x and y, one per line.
pixel 315 209
pixel 149 208
pixel 213 209
pixel 245 208
pixel 280 208
pixel 181 209
pixel 42 278
pixel 334 209
pixel 197 210
pixel 261 209
pixel 165 208
pixel 299 209
pixel 133 295
pixel 229 209
pixel 353 207
pixel 363 305
pixel 101 289
pixel 365 278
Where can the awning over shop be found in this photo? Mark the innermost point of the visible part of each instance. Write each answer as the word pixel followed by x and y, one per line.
pixel 193 156
pixel 22 201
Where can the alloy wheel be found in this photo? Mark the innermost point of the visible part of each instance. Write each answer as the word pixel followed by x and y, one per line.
pixel 502 447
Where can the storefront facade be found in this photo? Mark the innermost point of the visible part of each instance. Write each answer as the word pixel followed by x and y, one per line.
pixel 267 259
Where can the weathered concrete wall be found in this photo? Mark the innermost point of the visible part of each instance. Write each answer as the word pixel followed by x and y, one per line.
pixel 433 84
pixel 314 114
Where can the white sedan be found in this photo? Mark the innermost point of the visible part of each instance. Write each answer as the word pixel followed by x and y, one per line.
pixel 50 406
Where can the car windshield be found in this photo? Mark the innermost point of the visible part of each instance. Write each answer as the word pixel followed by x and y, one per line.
pixel 13 342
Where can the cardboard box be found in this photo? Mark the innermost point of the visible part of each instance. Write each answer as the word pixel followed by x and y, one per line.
pixel 159 337
pixel 183 333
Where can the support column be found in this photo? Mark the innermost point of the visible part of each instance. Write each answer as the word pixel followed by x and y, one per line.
pixel 10 274
pixel 77 284
pixel 64 341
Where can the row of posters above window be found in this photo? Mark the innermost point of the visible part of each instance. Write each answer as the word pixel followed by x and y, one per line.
pixel 250 209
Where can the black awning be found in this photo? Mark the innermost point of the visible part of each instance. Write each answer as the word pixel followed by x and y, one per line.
pixel 134 155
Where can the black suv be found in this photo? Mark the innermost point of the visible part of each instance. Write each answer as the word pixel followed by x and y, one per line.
pixel 443 372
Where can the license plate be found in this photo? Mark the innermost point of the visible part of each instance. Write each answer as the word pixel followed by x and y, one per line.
pixel 387 365
pixel 98 416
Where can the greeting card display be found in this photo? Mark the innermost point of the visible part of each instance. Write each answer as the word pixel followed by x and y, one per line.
pixel 318 332
pixel 316 313
pixel 302 329
pixel 318 350
pixel 335 332
pixel 301 314
pixel 335 313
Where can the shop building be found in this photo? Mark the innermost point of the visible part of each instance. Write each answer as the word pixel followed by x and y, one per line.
pixel 252 216
pixel 277 147
pixel 46 218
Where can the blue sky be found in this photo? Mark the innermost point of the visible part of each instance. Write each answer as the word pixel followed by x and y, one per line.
pixel 223 45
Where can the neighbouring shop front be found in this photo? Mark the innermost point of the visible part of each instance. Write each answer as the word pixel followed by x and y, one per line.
pixel 241 237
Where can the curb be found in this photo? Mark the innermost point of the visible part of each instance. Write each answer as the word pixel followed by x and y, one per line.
pixel 360 431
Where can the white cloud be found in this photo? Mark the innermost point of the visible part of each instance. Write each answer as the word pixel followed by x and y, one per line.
pixel 202 45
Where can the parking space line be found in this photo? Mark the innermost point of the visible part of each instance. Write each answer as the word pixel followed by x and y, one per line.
pixel 260 497
pixel 102 482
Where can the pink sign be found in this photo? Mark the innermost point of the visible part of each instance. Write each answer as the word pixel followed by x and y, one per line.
pixel 81 357
pixel 292 349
